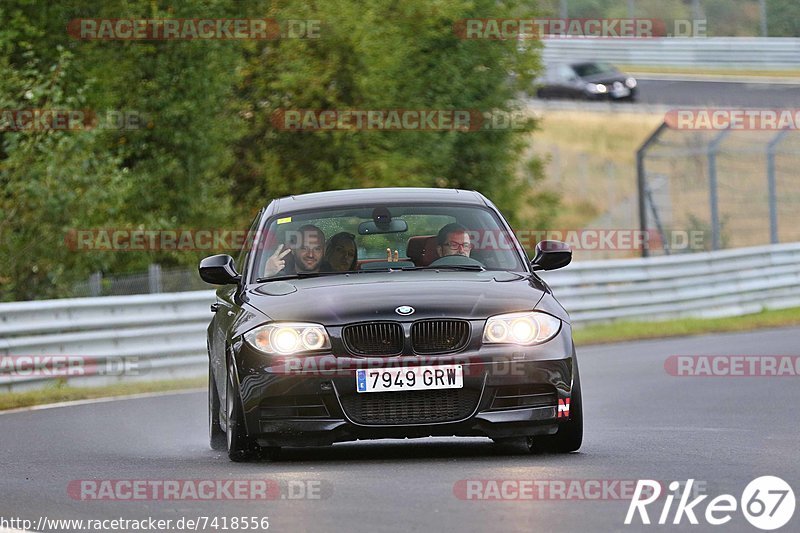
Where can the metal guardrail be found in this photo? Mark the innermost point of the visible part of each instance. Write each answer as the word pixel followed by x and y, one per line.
pixel 159 336
pixel 166 332
pixel 708 284
pixel 724 52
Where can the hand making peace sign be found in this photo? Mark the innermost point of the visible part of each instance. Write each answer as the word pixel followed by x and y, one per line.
pixel 276 263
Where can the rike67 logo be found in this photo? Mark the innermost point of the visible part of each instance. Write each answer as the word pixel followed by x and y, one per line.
pixel 767 502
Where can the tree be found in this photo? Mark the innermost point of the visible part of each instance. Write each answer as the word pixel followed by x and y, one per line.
pixel 206 154
pixel 375 55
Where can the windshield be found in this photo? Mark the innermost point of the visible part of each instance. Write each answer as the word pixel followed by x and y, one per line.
pixel 382 237
pixel 591 69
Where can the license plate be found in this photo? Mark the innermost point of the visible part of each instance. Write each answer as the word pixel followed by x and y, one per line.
pixel 410 378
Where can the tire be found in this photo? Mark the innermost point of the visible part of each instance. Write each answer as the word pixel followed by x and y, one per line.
pixel 240 446
pixel 216 436
pixel 570 434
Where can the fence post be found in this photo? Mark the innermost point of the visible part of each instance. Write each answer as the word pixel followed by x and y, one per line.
pixel 772 187
pixel 641 180
pixel 664 239
pixel 713 190
pixel 96 284
pixel 154 278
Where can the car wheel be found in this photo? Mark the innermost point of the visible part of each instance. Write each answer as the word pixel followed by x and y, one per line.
pixel 240 446
pixel 216 436
pixel 570 434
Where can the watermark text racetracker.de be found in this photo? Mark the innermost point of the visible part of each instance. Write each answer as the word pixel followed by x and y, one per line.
pixel 143 239
pixel 509 489
pixel 125 490
pixel 737 119
pixel 577 28
pixel 185 29
pixel 462 120
pixel 222 239
pixel 733 365
pixel 37 120
pixel 14 367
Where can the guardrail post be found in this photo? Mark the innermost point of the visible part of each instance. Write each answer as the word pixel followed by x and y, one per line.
pixel 771 185
pixel 713 189
pixel 641 180
pixel 154 278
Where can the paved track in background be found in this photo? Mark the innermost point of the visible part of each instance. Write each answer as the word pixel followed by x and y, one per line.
pixel 718 93
pixel 640 423
pixel 659 95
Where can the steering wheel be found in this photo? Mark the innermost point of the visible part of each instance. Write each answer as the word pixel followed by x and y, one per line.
pixel 456 260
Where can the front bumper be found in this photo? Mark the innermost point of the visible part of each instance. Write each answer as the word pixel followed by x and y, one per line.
pixel 612 96
pixel 289 406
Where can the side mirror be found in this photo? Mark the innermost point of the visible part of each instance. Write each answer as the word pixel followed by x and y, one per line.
pixel 219 270
pixel 551 255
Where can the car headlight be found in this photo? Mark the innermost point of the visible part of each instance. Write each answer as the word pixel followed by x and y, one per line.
pixel 596 88
pixel 288 338
pixel 526 329
pixel 630 83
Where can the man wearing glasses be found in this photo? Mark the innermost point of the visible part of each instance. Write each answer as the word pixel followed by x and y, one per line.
pixel 306 246
pixel 453 239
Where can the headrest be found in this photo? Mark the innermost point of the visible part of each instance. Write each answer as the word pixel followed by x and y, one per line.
pixel 415 247
pixel 431 252
pixel 422 250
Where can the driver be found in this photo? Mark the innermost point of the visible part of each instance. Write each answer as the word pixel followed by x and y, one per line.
pixel 453 239
pixel 306 252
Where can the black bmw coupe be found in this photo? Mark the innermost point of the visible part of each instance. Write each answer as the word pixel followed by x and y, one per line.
pixel 587 81
pixel 388 313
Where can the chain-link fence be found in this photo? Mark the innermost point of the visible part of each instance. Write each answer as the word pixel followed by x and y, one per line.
pixel 155 280
pixel 723 188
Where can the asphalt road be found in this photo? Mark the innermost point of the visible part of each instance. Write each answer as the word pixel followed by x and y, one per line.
pixel 695 93
pixel 718 93
pixel 640 423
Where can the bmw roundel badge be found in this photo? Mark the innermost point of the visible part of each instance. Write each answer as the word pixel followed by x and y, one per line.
pixel 404 310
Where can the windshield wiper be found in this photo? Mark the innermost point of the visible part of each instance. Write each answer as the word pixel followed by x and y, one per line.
pixel 303 275
pixel 299 275
pixel 471 268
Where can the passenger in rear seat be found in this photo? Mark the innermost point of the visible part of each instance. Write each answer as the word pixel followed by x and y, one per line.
pixel 341 254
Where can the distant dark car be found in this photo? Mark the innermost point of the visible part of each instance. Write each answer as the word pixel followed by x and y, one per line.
pixel 423 337
pixel 586 81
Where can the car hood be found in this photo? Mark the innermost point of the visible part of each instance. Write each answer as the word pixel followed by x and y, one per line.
pixel 606 77
pixel 342 299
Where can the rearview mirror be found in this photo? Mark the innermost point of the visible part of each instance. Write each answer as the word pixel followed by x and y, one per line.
pixel 395 225
pixel 219 270
pixel 551 255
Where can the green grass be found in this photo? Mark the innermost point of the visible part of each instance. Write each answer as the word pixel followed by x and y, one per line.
pixel 590 161
pixel 64 393
pixel 627 331
pixel 577 164
pixel 733 72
